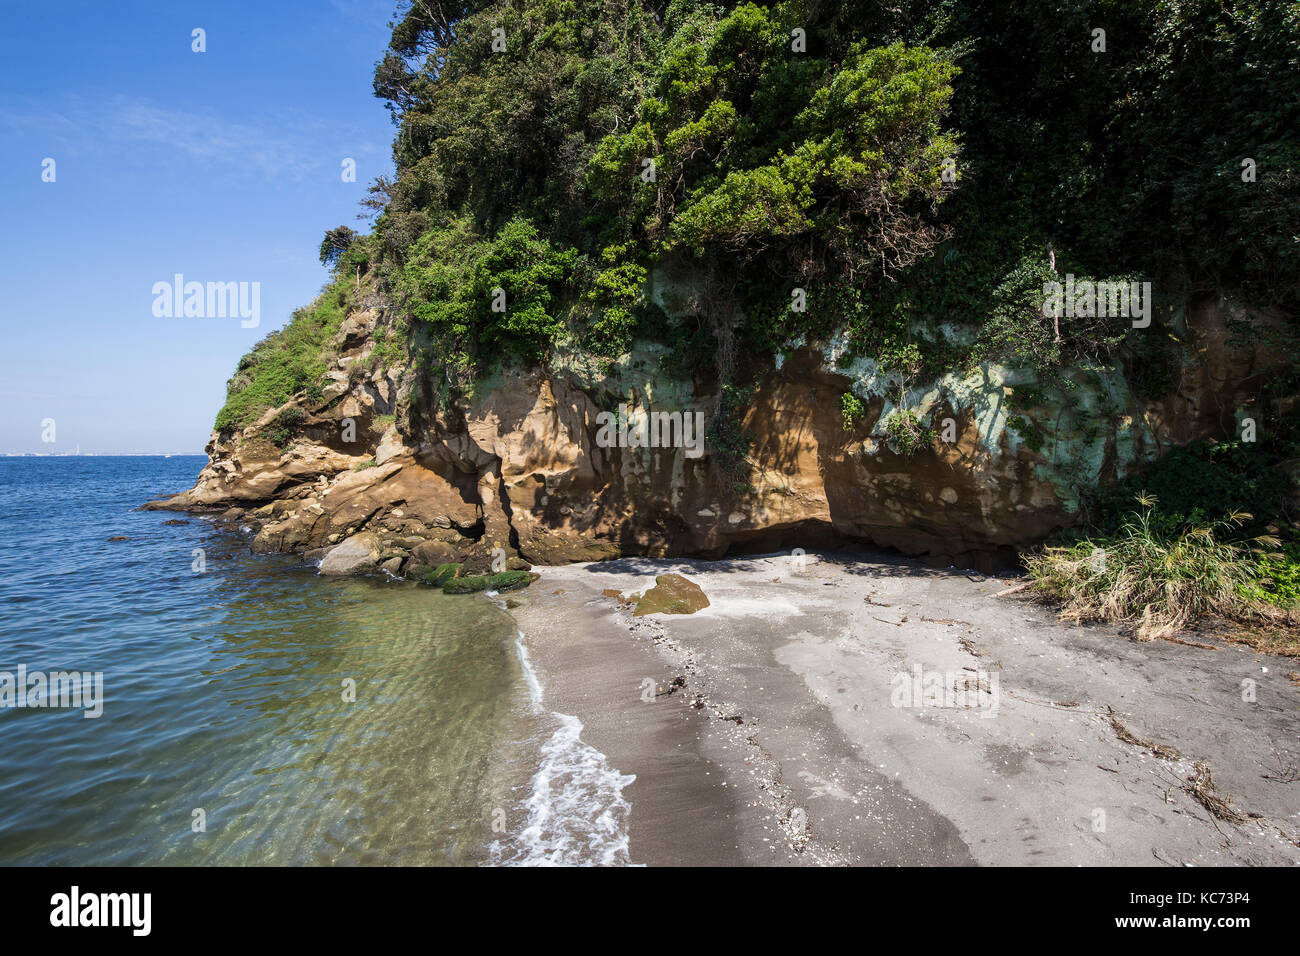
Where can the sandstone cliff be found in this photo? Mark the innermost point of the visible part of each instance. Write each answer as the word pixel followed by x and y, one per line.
pixel 516 470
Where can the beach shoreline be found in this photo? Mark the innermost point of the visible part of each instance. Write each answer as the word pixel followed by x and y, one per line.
pixel 774 733
pixel 683 814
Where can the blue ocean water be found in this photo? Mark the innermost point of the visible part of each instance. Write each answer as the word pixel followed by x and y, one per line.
pixel 226 734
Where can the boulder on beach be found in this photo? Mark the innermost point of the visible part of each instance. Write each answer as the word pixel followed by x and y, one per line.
pixel 672 594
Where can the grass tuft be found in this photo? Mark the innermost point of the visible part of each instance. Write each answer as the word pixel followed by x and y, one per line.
pixel 1158 582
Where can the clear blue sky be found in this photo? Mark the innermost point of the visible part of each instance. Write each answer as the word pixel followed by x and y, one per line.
pixel 223 166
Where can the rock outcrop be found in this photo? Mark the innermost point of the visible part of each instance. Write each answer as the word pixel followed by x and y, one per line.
pixel 522 472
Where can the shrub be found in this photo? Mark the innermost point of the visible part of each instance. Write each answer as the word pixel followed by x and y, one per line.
pixel 1018 334
pixel 280 430
pixel 906 434
pixel 1277 579
pixel 1148 578
pixel 851 410
pixel 1031 434
pixel 728 441
pixel 452 276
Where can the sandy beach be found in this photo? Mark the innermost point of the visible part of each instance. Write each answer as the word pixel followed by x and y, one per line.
pixel 868 710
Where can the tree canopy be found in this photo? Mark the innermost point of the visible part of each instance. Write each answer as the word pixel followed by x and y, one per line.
pixel 897 161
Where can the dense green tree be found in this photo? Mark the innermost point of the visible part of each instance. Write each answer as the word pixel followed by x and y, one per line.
pixel 904 162
pixel 335 244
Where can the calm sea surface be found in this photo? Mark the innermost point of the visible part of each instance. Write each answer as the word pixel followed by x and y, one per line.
pixel 227 735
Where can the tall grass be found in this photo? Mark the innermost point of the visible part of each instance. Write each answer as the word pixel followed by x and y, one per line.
pixel 1155 582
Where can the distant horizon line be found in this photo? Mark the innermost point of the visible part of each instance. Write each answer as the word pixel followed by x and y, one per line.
pixel 103 454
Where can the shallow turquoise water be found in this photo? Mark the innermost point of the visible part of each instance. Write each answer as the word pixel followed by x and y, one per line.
pixel 224 692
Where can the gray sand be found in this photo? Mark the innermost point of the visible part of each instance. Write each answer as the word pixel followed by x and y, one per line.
pixel 784 745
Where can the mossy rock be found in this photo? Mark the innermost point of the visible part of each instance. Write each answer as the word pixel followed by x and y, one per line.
pixel 443 573
pixel 672 594
pixel 466 585
pixel 504 581
pixel 512 580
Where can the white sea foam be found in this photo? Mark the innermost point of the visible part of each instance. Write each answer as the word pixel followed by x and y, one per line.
pixel 530 673
pixel 576 813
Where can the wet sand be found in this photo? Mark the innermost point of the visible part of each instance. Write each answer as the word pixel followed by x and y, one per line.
pixel 775 732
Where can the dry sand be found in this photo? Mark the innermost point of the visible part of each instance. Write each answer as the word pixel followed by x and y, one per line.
pixel 773 737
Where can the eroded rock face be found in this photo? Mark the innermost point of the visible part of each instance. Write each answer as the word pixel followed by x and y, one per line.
pixel 517 473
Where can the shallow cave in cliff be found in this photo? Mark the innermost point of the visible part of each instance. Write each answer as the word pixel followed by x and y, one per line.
pixel 812 536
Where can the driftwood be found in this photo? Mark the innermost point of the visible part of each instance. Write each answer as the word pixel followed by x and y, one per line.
pixel 1012 590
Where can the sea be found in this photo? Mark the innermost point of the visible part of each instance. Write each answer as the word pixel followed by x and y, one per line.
pixel 172 698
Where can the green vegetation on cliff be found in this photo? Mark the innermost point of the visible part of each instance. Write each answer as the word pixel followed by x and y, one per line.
pixel 284 363
pixel 907 168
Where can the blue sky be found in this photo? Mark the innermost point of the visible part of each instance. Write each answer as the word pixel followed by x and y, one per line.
pixel 224 166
